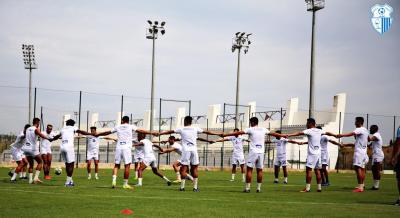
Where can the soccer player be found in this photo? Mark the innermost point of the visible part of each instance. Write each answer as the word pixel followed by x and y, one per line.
pixel 360 158
pixel 149 158
pixel 313 152
pixel 138 159
pixel 325 157
pixel 189 150
pixel 46 151
pixel 93 152
pixel 377 155
pixel 237 154
pixel 396 163
pixel 18 155
pixel 123 150
pixel 256 154
pixel 67 148
pixel 280 160
pixel 31 150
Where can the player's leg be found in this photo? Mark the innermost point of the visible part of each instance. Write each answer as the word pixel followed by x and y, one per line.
pixel 276 174
pixel 136 168
pixel 318 178
pixel 259 168
pixel 376 173
pixel 117 165
pixel 243 172
pixel 126 176
pixel 157 173
pixel 44 158
pixel 195 174
pixel 16 171
pixel 325 175
pixel 183 171
pixel 88 168
pixel 176 166
pixel 141 167
pixel 49 160
pixel 39 167
pixel 24 167
pixel 397 169
pixel 30 168
pixel 96 169
pixel 285 175
pixel 233 172
pixel 308 179
pixel 249 170
pixel 359 174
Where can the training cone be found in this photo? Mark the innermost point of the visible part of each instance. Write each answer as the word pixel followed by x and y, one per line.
pixel 126 211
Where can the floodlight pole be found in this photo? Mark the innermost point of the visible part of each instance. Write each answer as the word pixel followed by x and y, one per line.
pixel 237 90
pixel 28 57
pixel 152 84
pixel 30 93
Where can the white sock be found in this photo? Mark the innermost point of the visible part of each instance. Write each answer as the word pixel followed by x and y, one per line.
pixel 376 183
pixel 125 182
pixel 30 177
pixel 37 173
pixel 285 179
pixel 140 181
pixel 195 180
pixel 20 174
pixel 276 180
pixel 190 177
pixel 69 179
pixel 183 183
pixel 361 186
pixel 23 174
pixel 233 176
pixel 243 177
pixel 166 179
pixel 308 187
pixel 14 176
pixel 114 178
pixel 89 175
pixel 96 175
pixel 318 186
pixel 178 176
pixel 136 174
pixel 248 186
pixel 259 186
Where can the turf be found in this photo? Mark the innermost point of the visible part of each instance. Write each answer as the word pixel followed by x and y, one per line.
pixel 217 198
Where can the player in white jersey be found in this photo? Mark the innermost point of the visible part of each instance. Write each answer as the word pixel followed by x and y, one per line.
pixel 377 155
pixel 280 159
pixel 255 158
pixel 237 153
pixel 46 151
pixel 189 150
pixel 325 158
pixel 360 158
pixel 138 156
pixel 92 153
pixel 31 150
pixel 313 152
pixel 123 150
pixel 67 135
pixel 149 159
pixel 19 156
pixel 177 148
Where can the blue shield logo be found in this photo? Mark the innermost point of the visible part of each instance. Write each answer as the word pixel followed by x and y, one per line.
pixel 381 19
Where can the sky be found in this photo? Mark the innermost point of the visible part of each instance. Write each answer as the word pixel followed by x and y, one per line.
pixel 100 47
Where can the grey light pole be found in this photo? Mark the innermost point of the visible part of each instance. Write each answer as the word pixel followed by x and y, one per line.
pixel 152 33
pixel 240 40
pixel 30 64
pixel 313 6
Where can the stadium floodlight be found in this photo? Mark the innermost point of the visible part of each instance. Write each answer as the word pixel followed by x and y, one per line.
pixel 313 6
pixel 239 42
pixel 152 33
pixel 28 54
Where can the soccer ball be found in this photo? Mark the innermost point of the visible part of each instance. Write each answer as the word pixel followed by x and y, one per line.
pixel 58 171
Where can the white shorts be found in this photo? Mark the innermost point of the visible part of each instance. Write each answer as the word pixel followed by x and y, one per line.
pixel 325 158
pixel 150 162
pixel 123 154
pixel 68 155
pixel 280 161
pixel 17 154
pixel 255 160
pixel 237 159
pixel 377 159
pixel 138 159
pixel 92 155
pixel 31 153
pixel 45 150
pixel 314 161
pixel 190 158
pixel 360 160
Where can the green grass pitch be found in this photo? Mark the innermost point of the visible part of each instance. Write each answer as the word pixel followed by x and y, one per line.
pixel 217 197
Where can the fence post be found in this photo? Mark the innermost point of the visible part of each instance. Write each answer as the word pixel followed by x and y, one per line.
pixel 87 130
pixel 222 158
pixel 79 126
pixel 122 106
pixel 298 165
pixel 108 150
pixel 280 127
pixel 207 147
pixel 339 131
pixel 367 121
pixel 34 104
pixel 394 128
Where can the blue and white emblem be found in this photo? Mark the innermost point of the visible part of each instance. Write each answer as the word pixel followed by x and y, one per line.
pixel 381 19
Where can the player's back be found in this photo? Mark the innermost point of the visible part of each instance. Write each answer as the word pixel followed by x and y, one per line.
pixel 30 136
pixel 324 143
pixel 19 141
pixel 124 134
pixel 314 140
pixel 148 148
pixel 361 143
pixel 377 145
pixel 257 138
pixel 67 137
pixel 189 137
pixel 178 148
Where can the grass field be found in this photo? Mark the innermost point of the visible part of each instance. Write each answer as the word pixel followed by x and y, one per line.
pixel 217 198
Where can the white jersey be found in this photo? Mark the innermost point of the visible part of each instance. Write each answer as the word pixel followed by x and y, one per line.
pixel 178 148
pixel 19 141
pixel 67 137
pixel 93 143
pixel 377 146
pixel 360 146
pixel 31 137
pixel 280 147
pixel 189 137
pixel 237 143
pixel 46 143
pixel 148 149
pixel 314 140
pixel 124 134
pixel 324 144
pixel 257 138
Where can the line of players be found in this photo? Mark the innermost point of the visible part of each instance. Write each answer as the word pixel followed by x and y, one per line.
pixel 25 150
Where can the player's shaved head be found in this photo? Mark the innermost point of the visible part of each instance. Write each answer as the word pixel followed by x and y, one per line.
pixel 373 129
pixel 359 121
pixel 70 122
pixel 253 121
pixel 187 121
pixel 35 121
pixel 27 126
pixel 92 127
pixel 141 136
pixel 125 119
pixel 319 127
pixel 236 130
pixel 310 123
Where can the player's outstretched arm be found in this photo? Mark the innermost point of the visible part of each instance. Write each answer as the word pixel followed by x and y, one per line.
pixel 347 145
pixel 233 134
pixel 345 135
pixel 103 133
pixel 205 140
pixel 293 134
pixel 213 133
pixel 137 144
pixel 55 137
pixel 109 138
pixel 330 134
pixel 83 132
pixel 155 133
pixel 168 150
pixel 39 133
pixel 275 134
pixel 221 140
pixel 335 143
pixel 297 142
pixel 166 132
pixel 159 147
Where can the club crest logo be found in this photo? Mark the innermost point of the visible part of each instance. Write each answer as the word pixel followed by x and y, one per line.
pixel 381 19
